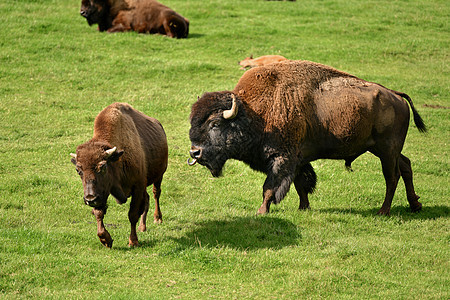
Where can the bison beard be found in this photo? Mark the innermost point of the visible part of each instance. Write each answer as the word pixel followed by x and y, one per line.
pixel 226 138
pixel 291 113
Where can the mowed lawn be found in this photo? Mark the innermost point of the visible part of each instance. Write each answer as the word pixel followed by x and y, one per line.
pixel 57 74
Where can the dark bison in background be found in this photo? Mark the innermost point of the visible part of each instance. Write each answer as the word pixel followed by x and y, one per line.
pixel 143 16
pixel 281 117
pixel 127 153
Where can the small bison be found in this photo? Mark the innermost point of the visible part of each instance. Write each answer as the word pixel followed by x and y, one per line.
pixel 142 16
pixel 282 116
pixel 250 62
pixel 127 153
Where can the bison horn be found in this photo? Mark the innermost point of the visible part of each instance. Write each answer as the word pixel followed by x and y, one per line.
pixel 110 152
pixel 231 113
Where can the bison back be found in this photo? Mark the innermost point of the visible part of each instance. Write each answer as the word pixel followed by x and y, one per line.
pixel 141 137
pixel 282 94
pixel 154 144
pixel 354 116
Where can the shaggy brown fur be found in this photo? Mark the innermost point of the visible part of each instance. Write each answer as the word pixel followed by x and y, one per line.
pixel 290 113
pixel 139 160
pixel 143 16
pixel 292 85
pixel 250 62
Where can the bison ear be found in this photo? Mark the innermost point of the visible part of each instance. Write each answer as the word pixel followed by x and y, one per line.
pixel 115 155
pixel 74 158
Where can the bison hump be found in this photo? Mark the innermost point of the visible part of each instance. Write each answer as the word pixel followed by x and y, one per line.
pixel 283 94
pixel 256 82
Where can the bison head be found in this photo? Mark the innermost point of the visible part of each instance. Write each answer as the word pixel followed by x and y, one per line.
pixel 93 162
pixel 94 10
pixel 219 131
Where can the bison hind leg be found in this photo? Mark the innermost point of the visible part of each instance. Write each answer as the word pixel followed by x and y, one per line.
pixel 157 216
pixel 407 175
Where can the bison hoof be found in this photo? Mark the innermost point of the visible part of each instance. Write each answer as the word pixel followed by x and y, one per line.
pixel 304 207
pixel 383 212
pixel 416 207
pixel 142 228
pixel 107 244
pixel 262 211
pixel 157 221
pixel 133 244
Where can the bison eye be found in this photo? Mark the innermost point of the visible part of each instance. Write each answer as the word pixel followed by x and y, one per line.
pixel 214 125
pixel 101 167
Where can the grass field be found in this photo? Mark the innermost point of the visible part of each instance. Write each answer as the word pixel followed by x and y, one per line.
pixel 57 74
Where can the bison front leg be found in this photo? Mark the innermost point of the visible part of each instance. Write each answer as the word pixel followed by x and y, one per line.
pixel 168 27
pixel 302 194
pixel 118 28
pixel 102 233
pixel 120 23
pixel 267 199
pixel 143 221
pixel 305 183
pixel 391 172
pixel 277 184
pixel 137 208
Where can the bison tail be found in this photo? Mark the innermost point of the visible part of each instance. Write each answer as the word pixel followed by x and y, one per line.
pixel 417 118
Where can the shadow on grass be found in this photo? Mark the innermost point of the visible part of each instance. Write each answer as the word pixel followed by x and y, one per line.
pixel 142 244
pixel 242 233
pixel 194 35
pixel 427 212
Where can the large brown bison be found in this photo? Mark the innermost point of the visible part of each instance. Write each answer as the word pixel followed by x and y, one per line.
pixel 127 153
pixel 281 117
pixel 143 16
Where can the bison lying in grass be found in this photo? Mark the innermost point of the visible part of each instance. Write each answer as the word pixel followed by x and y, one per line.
pixel 127 153
pixel 282 116
pixel 143 16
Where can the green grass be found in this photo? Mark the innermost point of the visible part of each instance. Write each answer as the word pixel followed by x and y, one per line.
pixel 57 74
